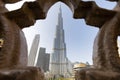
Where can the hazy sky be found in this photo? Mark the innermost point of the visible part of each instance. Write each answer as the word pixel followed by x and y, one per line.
pixel 79 37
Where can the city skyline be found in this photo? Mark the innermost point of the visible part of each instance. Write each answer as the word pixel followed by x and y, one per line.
pixel 79 37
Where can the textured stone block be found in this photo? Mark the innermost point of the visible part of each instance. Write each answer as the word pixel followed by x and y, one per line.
pixel 94 74
pixel 28 73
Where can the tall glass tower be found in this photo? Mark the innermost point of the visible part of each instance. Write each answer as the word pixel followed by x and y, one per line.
pixel 33 50
pixel 58 59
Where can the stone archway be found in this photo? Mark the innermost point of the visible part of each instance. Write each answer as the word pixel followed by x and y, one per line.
pixel 105 57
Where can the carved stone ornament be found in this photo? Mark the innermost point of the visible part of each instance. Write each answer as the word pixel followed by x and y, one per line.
pixel 13 47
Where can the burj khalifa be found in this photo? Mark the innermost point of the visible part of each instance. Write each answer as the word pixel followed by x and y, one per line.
pixel 58 60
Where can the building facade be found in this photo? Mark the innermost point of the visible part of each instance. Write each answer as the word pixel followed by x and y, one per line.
pixel 59 63
pixel 33 51
pixel 43 59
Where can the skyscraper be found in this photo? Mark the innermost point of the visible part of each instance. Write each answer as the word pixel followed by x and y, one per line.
pixel 43 59
pixel 33 51
pixel 58 59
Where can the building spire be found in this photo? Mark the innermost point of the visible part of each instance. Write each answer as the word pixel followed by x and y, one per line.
pixel 60 19
pixel 60 10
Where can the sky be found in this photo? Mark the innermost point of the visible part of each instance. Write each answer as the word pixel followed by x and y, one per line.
pixel 79 37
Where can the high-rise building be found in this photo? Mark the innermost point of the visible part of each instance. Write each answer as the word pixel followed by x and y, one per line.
pixel 59 63
pixel 43 59
pixel 33 51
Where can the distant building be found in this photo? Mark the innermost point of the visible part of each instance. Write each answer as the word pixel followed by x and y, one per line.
pixel 80 66
pixel 33 51
pixel 43 59
pixel 60 66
